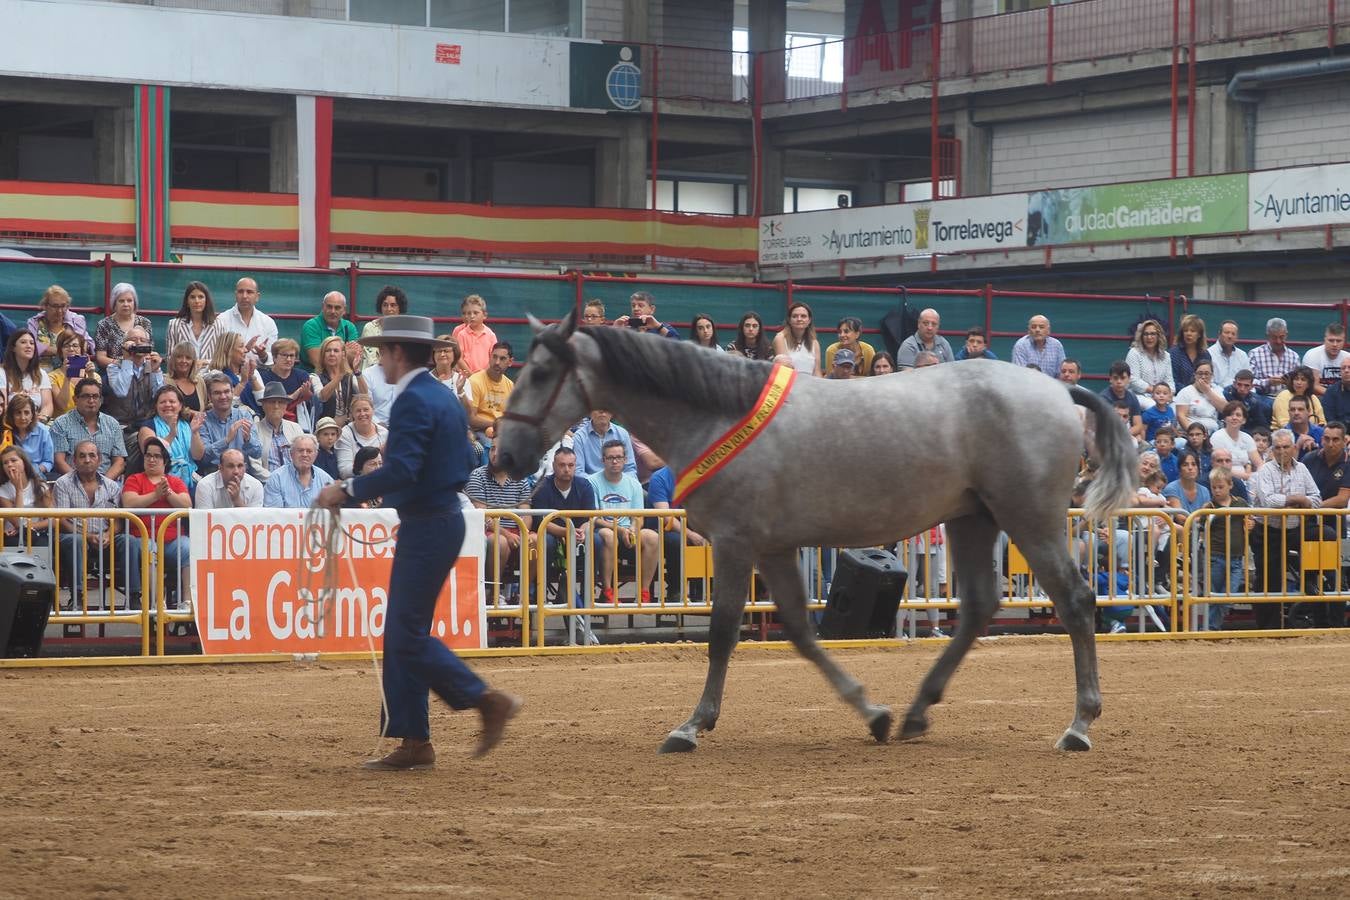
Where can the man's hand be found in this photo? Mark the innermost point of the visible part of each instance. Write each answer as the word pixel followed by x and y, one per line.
pixel 626 534
pixel 332 497
pixel 198 420
pixel 234 488
pixel 1306 442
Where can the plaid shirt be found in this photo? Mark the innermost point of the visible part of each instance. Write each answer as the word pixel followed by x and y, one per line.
pixel 69 429
pixel 70 495
pixel 1265 363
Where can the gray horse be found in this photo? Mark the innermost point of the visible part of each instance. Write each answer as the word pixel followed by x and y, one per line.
pixel 980 445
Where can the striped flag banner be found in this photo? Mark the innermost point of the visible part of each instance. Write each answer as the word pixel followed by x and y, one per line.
pixel 152 173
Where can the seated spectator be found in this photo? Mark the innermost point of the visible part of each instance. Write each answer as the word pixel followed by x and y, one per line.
pixel 491 389
pixel 1274 361
pixel 675 534
pixel 276 435
pixel 750 342
pixel 296 484
pixel 616 489
pixel 926 339
pixel 593 312
pixel 132 384
pixel 22 373
pixel 230 486
pixel 361 431
pixel 562 490
pixel 703 332
pixel 589 438
pixel 841 365
pixel 1326 359
pixel 156 488
pixel 926 359
pixel 390 301
pixel 367 460
pixel 1122 409
pixel 642 316
pixel 883 364
pixel 1071 372
pixel 1164 444
pixel 379 388
pixel 1148 360
pixel 475 339
pixel 1226 356
pixel 31 435
pixel 797 340
pixel 1036 349
pixel 445 367
pixel 55 318
pixel 194 324
pixel 1336 400
pixel 976 345
pixel 1302 383
pixel 110 338
pixel 850 339
pixel 1161 412
pixel 1186 494
pixel 336 383
pixel 1200 401
pixel 170 426
pixel 1307 436
pixel 241 367
pixel 224 426
pixel 1256 409
pixel 1222 458
pixel 73 366
pixel 1197 441
pixel 1282 483
pixel 21 487
pixel 489 487
pixel 1188 351
pixel 1118 388
pixel 185 373
pixel 299 388
pixel 1330 471
pixel 326 430
pixel 331 321
pixel 86 423
pixel 102 539
pixel 1226 542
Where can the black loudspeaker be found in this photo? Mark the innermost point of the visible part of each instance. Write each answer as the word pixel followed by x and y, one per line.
pixel 27 592
pixel 864 595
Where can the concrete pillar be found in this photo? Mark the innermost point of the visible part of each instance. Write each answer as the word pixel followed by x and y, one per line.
pixel 771 181
pixel 115 145
pixel 768 37
pixel 285 163
pixel 977 154
pixel 9 156
pixel 637 21
pixel 1220 144
pixel 629 179
pixel 1218 284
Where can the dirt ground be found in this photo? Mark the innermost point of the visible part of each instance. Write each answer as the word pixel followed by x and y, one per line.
pixel 1219 769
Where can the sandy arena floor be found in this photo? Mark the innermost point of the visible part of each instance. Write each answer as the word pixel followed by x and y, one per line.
pixel 1219 769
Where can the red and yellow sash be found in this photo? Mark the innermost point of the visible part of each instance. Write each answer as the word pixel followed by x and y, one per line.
pixel 725 448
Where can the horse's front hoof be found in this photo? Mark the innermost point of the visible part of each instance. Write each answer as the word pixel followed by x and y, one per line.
pixel 880 725
pixel 677 744
pixel 913 727
pixel 1074 741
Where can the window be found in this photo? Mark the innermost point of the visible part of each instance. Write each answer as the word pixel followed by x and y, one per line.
pixel 388 12
pixel 818 56
pixel 1024 5
pixel 555 18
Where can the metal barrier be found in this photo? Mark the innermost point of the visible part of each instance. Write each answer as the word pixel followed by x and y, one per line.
pixel 513 603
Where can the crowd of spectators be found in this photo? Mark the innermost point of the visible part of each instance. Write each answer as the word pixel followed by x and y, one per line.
pixel 222 412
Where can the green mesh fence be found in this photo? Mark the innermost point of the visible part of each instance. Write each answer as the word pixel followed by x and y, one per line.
pixel 679 303
pixel 1105 324
pixel 958 312
pixel 1306 323
pixel 22 284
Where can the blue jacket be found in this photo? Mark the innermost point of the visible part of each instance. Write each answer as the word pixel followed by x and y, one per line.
pixel 427 456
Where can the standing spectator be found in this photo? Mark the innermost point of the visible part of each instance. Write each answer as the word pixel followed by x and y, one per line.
pixel 1200 401
pixel 185 374
pixel 850 339
pixel 590 437
pixel 1336 401
pixel 326 431
pixel 86 423
pixel 797 340
pixel 84 489
pixel 276 434
pixel 335 384
pixel 111 335
pixel 476 340
pixel 361 431
pixel 1227 356
pixel 643 316
pixel 1282 483
pixel 490 487
pixel 1037 348
pixel 332 320
pixel 294 380
pixel 1254 407
pixel 1188 351
pixel 233 359
pixel 976 345
pixel 1302 383
pixel 703 331
pixel 132 383
pixel 21 487
pixel 1325 360
pixel 156 488
pixel 751 341
pixel 616 489
pixel 21 373
pixel 491 390
pixel 1231 437
pixel 445 368
pixel 55 318
pixel 230 486
pixel 1149 360
pixel 297 484
pixel 30 435
pixel 390 301
pixel 927 339
pixel 224 426
pixel 1273 362
pixel 254 327
pixel 1227 544
pixel 169 425
pixel 194 323
pixel 70 370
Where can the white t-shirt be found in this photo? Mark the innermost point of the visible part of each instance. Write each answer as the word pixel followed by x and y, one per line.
pixel 1327 369
pixel 1241 448
pixel 34 387
pixel 1200 407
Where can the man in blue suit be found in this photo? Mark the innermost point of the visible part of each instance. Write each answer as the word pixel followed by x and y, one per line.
pixel 427 459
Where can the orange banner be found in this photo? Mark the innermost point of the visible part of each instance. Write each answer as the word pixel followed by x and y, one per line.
pixel 255 574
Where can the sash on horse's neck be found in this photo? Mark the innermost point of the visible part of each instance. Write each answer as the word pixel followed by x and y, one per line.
pixel 738 437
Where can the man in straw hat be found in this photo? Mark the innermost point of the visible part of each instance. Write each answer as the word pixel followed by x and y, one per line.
pixel 426 462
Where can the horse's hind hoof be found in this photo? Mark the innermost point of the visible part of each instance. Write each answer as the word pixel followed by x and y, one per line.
pixel 677 744
pixel 880 726
pixel 912 727
pixel 1074 741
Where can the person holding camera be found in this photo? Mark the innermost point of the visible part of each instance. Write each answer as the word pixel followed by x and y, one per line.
pixel 132 382
pixel 111 334
pixel 643 316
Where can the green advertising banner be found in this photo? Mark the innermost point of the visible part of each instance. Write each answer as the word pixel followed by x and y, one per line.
pixel 1213 204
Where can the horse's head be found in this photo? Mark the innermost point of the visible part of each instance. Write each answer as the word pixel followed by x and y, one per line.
pixel 548 397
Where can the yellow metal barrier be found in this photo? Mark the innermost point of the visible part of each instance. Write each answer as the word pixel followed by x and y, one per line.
pixel 182 613
pixel 510 604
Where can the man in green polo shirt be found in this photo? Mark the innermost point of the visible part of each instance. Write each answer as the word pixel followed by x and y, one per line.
pixel 330 321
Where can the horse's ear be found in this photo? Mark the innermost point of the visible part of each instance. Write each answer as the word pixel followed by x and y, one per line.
pixel 535 325
pixel 568 325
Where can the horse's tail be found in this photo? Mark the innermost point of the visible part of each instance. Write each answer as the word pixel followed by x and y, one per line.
pixel 1115 482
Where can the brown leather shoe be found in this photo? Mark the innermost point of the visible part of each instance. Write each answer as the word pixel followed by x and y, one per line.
pixel 497 708
pixel 405 758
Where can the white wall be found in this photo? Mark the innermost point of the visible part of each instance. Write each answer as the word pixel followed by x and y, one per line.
pixel 1302 124
pixel 1089 148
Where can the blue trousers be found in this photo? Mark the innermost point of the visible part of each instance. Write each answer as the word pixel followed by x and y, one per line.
pixel 414 661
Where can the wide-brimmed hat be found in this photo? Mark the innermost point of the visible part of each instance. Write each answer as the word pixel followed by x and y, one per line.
pixel 275 390
pixel 405 330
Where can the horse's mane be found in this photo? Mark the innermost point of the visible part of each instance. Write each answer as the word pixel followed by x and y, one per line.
pixel 705 378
